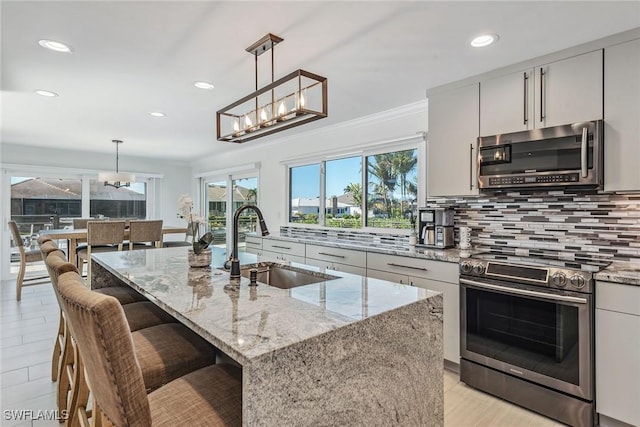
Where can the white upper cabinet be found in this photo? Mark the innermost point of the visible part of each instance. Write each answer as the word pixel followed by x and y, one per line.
pixel 569 91
pixel 557 93
pixel 506 103
pixel 452 142
pixel 622 117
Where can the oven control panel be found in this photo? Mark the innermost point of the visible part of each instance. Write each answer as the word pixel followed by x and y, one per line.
pixel 547 276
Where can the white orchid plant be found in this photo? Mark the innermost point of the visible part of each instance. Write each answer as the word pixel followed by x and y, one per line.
pixel 185 211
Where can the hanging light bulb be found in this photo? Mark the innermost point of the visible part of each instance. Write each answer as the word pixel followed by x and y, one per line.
pixel 263 115
pixel 303 101
pixel 236 125
pixel 282 109
pixel 247 122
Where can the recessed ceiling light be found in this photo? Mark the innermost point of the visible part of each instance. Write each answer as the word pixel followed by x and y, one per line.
pixel 203 85
pixel 157 114
pixel 484 40
pixel 54 45
pixel 46 93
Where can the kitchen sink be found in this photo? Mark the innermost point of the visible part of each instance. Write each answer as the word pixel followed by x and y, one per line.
pixel 284 276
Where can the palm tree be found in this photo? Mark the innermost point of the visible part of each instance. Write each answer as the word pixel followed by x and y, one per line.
pixel 355 189
pixel 403 163
pixel 382 168
pixel 252 195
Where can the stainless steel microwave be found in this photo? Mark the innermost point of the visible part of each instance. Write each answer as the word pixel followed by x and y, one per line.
pixel 560 156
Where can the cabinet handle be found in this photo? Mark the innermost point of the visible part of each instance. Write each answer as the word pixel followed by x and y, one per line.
pixel 337 256
pixel 524 109
pixel 252 243
pixel 392 264
pixel 470 166
pixel 583 153
pixel 542 74
pixel 281 247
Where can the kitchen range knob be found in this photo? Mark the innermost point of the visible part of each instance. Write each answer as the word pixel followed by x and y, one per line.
pixel 466 267
pixel 559 279
pixel 478 269
pixel 578 281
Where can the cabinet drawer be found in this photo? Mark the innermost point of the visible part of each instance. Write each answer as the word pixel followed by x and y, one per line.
pixel 284 247
pixel 618 297
pixel 253 242
pixel 426 268
pixel 279 257
pixel 341 256
pixel 391 277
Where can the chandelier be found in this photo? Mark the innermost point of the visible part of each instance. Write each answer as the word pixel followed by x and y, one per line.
pixel 297 98
pixel 116 179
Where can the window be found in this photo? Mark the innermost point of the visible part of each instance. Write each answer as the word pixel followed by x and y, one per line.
pixel 392 188
pixel 387 189
pixel 38 203
pixel 222 203
pixel 343 183
pixel 304 197
pixel 111 202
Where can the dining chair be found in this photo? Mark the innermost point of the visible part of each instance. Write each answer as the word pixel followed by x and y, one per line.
pixel 211 395
pixel 176 243
pixel 26 256
pixel 102 236
pixel 145 234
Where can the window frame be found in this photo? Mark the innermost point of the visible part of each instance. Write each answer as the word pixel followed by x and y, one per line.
pixel 416 142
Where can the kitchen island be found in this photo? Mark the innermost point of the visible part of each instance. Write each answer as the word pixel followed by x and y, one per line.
pixel 345 351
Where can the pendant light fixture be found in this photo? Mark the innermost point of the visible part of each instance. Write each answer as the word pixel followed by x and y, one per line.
pixel 297 98
pixel 116 179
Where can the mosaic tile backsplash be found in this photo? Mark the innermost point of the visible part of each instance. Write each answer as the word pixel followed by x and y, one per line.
pixel 571 226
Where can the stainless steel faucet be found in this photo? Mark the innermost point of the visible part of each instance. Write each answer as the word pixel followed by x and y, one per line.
pixel 235 263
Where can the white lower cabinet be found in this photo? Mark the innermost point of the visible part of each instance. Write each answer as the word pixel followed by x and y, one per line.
pixel 328 265
pixel 386 275
pixel 278 256
pixel 338 259
pixel 253 245
pixel 439 276
pixel 618 353
pixel 451 315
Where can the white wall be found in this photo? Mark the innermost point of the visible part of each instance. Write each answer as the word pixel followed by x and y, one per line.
pixel 272 198
pixel 174 178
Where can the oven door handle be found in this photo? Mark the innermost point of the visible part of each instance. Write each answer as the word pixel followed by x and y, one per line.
pixel 524 292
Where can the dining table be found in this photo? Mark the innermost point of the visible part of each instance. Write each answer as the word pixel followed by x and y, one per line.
pixel 73 236
pixel 341 350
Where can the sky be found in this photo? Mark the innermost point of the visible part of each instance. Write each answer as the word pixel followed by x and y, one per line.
pixel 341 172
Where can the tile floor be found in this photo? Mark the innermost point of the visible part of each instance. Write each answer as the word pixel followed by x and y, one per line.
pixel 28 328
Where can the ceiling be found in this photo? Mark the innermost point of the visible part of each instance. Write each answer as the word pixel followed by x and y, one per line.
pixel 134 57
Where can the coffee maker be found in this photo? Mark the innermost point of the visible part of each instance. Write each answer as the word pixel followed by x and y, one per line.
pixel 435 227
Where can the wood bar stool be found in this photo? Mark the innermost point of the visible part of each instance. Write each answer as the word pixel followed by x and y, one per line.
pixel 209 396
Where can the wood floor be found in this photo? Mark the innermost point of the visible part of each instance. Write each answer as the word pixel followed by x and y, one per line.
pixel 28 327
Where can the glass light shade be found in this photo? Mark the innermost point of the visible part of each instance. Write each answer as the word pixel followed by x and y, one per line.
pixel 116 179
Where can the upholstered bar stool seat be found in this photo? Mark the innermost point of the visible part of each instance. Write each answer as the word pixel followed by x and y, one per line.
pixel 209 396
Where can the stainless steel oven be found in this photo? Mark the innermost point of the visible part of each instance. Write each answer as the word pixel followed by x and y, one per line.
pixel 560 156
pixel 527 336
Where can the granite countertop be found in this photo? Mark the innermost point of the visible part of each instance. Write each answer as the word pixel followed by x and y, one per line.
pixel 621 272
pixel 448 255
pixel 253 321
pixel 618 271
